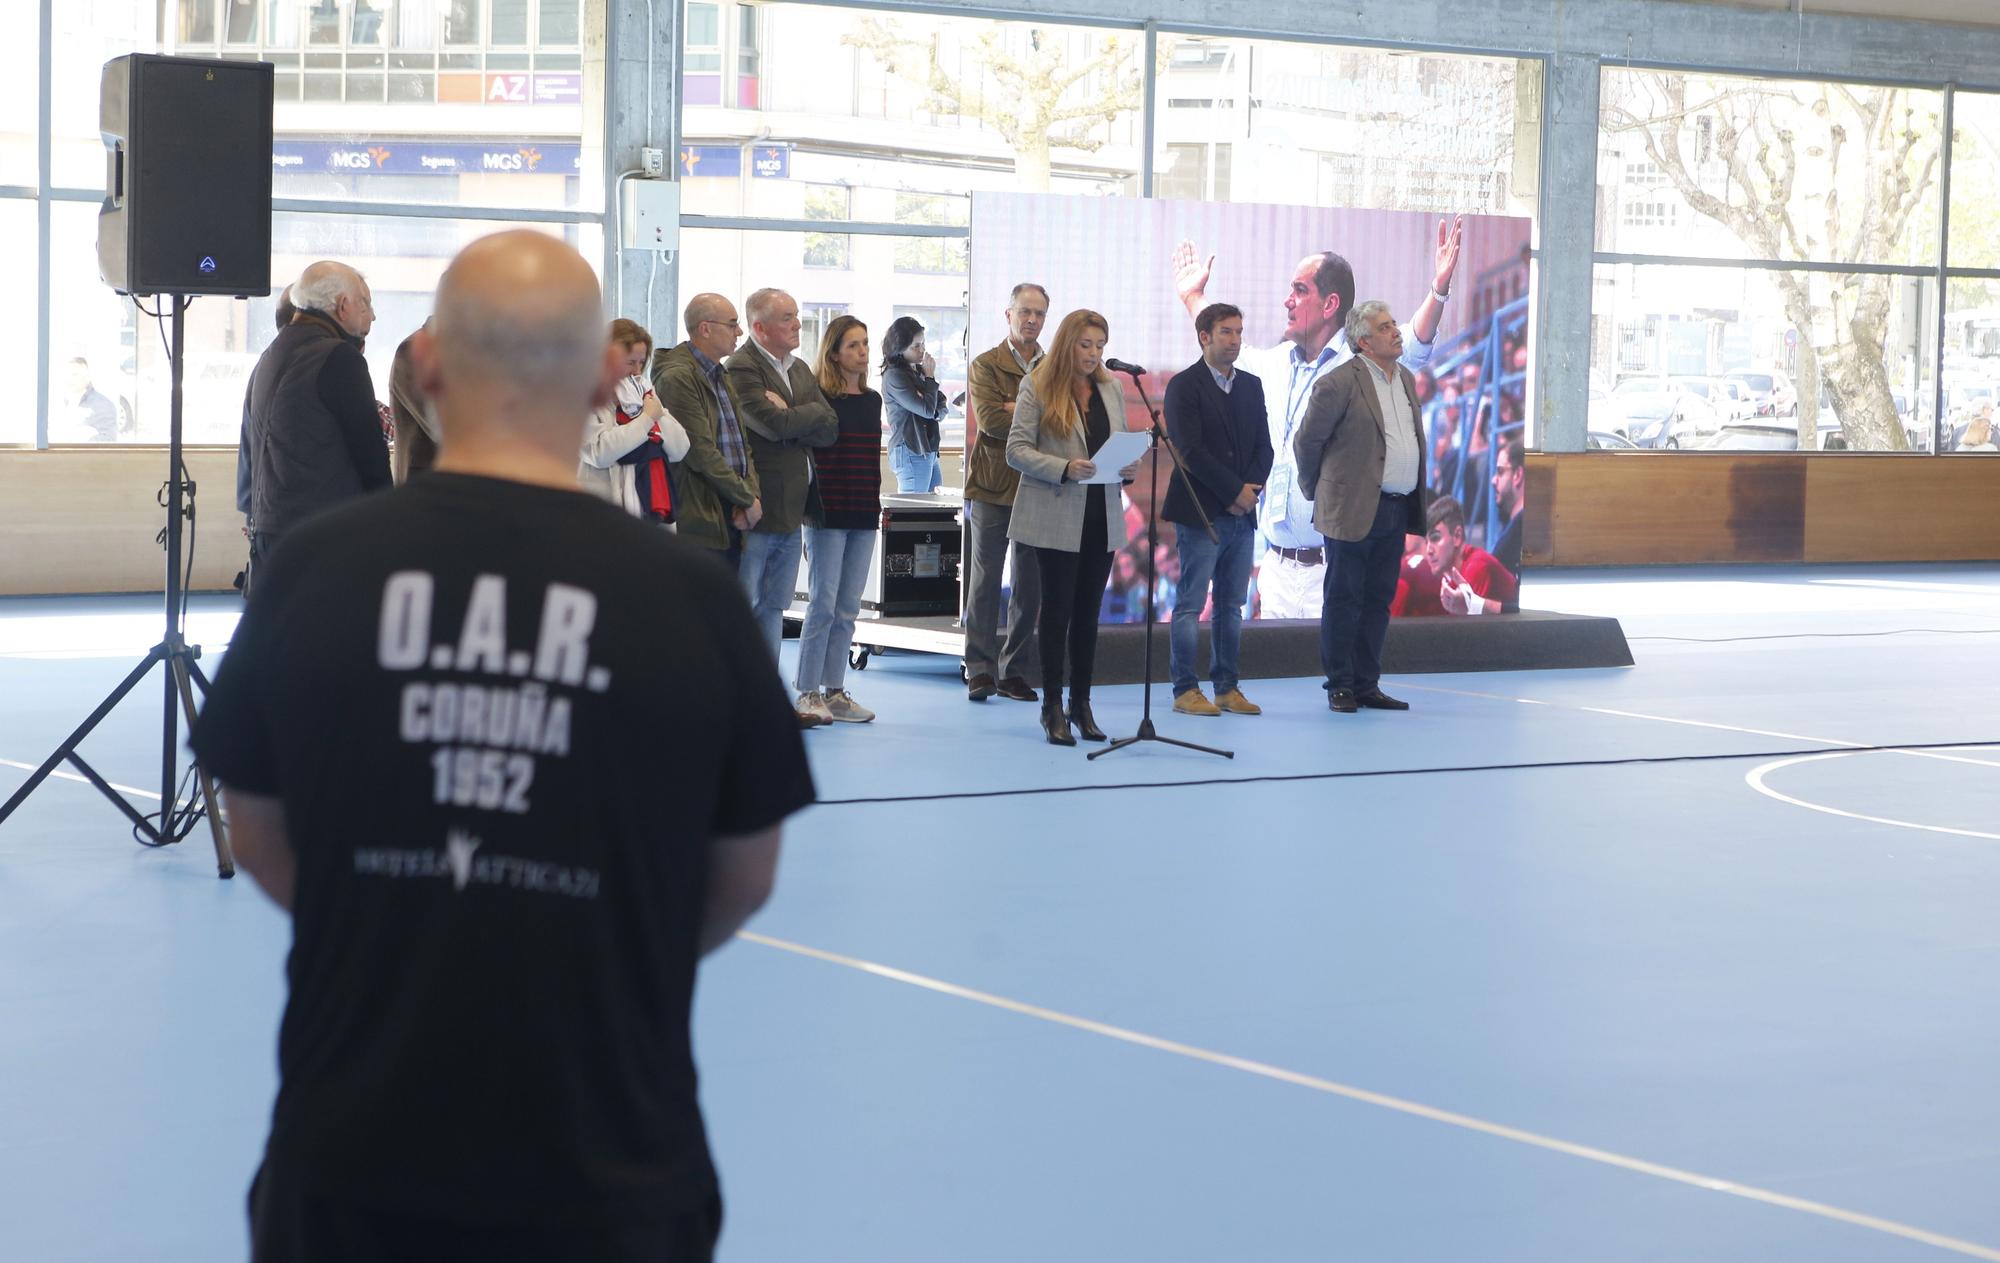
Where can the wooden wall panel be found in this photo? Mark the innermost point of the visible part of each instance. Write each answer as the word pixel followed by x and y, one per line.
pixel 1895 508
pixel 84 520
pixel 1635 508
pixel 1696 508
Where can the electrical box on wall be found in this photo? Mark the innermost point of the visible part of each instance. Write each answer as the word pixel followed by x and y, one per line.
pixel 651 215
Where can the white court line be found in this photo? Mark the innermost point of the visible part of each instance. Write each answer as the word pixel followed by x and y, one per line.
pixel 1466 1122
pixel 1858 746
pixel 1755 779
pixel 59 774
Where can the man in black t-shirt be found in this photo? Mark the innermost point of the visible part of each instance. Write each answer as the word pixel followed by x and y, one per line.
pixel 514 761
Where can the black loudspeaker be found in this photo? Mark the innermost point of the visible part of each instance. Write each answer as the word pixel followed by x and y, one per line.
pixel 187 206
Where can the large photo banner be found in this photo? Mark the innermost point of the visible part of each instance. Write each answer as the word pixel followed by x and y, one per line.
pixel 1149 266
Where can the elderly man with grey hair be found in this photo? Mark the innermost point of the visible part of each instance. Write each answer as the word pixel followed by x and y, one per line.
pixel 1360 453
pixel 311 429
pixel 440 730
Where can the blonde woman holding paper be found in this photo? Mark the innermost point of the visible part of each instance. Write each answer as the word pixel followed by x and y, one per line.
pixel 1068 407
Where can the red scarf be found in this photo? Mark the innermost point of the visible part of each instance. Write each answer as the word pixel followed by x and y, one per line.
pixel 659 488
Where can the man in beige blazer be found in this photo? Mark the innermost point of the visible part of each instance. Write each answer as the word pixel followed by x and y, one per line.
pixel 1360 453
pixel 784 414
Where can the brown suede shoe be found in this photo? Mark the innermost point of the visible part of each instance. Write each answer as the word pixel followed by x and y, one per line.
pixel 1236 704
pixel 1016 689
pixel 1194 702
pixel 979 688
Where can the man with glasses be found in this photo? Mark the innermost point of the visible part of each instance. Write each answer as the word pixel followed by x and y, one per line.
pixel 311 426
pixel 717 497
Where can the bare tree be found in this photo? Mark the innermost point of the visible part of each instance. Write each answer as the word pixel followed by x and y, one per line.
pixel 1790 153
pixel 1035 99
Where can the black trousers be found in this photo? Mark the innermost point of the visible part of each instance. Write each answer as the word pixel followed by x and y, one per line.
pixel 289 1225
pixel 1354 613
pixel 1072 590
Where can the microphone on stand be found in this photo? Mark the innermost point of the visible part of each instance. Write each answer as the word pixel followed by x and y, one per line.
pixel 1120 366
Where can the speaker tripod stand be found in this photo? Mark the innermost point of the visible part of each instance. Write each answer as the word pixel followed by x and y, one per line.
pixel 173 652
pixel 1161 443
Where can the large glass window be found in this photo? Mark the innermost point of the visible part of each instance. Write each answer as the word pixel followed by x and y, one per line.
pixel 340 65
pixel 98 336
pixel 17 326
pixel 20 79
pixel 901 103
pixel 1769 171
pixel 1972 310
pixel 1693 358
pixel 1782 169
pixel 491 117
pixel 734 262
pixel 1244 120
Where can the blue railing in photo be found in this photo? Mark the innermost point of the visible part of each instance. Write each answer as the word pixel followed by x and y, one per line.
pixel 1482 343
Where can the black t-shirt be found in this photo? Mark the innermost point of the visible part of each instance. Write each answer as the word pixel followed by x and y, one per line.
pixel 505 722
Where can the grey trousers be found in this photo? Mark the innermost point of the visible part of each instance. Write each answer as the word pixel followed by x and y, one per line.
pixel 986 653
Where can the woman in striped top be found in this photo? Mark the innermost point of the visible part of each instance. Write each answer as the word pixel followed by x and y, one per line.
pixel 840 538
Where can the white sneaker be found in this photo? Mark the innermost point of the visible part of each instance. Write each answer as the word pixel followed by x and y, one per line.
pixel 813 706
pixel 844 709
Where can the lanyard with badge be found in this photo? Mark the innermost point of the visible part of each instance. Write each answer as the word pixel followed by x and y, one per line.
pixel 1296 398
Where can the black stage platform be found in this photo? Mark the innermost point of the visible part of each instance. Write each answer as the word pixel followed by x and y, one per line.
pixel 1282 648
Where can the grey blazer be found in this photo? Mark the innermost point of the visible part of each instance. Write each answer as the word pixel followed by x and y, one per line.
pixel 1048 512
pixel 1341 448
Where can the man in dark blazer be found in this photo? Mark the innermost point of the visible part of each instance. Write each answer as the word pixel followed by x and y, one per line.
pixel 1360 457
pixel 1215 416
pixel 784 414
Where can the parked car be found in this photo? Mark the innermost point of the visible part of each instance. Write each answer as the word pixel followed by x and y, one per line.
pixel 1660 412
pixel 1730 399
pixel 1771 393
pixel 1606 441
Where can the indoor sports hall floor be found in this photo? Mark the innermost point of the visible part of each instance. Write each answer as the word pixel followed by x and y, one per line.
pixel 1686 969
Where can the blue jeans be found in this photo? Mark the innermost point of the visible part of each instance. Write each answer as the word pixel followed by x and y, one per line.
pixel 770 574
pixel 837 562
pixel 914 471
pixel 1227 565
pixel 1360 584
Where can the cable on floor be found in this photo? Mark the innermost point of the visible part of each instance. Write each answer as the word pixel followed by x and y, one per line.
pixel 1281 778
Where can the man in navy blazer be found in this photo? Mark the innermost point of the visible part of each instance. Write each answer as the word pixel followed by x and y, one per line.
pixel 1215 416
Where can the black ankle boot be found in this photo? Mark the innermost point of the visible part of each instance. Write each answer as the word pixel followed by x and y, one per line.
pixel 1086 725
pixel 1055 724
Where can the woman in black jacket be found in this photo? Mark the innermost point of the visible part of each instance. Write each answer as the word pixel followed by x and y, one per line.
pixel 914 403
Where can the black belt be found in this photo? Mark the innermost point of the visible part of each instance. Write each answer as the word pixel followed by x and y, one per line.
pixel 1394 495
pixel 1304 556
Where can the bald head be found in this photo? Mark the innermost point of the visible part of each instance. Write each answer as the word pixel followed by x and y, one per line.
pixel 336 290
pixel 712 325
pixel 515 356
pixel 521 310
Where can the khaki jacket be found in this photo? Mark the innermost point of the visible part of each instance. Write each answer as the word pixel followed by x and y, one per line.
pixel 991 383
pixel 706 489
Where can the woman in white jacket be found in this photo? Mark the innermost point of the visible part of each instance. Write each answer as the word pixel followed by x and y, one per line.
pixel 628 446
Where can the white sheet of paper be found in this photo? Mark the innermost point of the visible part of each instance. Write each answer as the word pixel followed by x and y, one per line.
pixel 1120 450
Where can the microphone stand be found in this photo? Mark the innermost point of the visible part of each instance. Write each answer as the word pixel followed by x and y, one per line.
pixel 1160 442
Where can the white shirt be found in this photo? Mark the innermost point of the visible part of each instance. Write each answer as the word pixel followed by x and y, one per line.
pixel 1284 515
pixel 783 366
pixel 1223 378
pixel 1399 429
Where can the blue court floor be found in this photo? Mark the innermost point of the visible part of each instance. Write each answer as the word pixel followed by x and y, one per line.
pixel 1697 960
